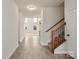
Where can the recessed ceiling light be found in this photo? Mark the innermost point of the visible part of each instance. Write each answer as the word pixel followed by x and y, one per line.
pixel 31 7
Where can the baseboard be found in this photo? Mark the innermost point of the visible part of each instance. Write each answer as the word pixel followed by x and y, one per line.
pixel 71 53
pixel 60 52
pixel 22 39
pixel 16 48
pixel 69 56
pixel 44 44
pixel 13 51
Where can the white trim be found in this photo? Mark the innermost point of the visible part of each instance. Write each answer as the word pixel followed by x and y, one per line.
pixel 44 43
pixel 61 52
pixel 21 40
pixel 13 51
pixel 71 53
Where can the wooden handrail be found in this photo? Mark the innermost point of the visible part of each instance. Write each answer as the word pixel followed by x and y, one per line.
pixel 54 25
pixel 60 26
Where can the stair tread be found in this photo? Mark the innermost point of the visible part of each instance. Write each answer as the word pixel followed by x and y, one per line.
pixel 59 44
pixel 56 44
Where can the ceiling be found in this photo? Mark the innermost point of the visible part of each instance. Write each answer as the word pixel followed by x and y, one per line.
pixel 39 3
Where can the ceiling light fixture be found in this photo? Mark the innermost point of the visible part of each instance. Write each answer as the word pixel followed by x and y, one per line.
pixel 31 7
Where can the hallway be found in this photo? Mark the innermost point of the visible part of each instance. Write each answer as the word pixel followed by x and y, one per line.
pixel 52 24
pixel 30 48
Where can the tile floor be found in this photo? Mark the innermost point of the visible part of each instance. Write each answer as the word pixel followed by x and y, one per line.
pixel 30 48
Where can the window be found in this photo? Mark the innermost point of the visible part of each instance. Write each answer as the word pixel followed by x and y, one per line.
pixel 26 20
pixel 35 20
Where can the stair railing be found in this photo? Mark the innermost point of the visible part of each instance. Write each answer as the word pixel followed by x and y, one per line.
pixel 58 34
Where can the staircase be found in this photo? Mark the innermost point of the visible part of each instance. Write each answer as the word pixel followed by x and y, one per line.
pixel 58 35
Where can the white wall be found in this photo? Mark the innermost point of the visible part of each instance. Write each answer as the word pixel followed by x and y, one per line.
pixel 21 26
pixel 50 17
pixel 71 26
pixel 9 27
